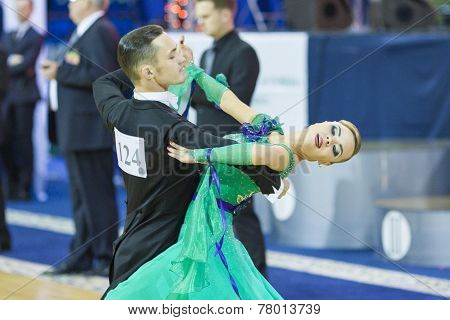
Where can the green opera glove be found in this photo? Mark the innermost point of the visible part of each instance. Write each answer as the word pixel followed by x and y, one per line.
pixel 214 89
pixel 237 154
pixel 191 73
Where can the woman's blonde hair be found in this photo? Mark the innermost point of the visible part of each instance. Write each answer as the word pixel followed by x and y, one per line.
pixel 356 136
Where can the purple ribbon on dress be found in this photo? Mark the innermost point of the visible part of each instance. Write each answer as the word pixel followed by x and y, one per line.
pixel 254 133
pixel 215 176
pixel 226 205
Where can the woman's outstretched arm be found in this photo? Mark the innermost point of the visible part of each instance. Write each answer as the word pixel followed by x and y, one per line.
pixel 275 157
pixel 237 109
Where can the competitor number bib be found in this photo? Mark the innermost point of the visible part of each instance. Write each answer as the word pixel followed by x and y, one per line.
pixel 131 154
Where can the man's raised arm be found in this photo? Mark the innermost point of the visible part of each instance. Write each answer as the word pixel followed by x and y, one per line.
pixel 111 93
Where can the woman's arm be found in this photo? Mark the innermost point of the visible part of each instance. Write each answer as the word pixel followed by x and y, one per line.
pixel 231 105
pixel 275 157
pixel 219 94
pixel 215 91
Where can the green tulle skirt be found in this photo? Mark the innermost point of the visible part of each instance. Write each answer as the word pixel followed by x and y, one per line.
pixel 192 268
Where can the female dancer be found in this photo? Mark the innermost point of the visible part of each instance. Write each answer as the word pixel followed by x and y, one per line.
pixel 208 262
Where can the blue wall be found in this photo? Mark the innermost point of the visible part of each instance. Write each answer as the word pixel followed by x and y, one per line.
pixel 127 15
pixel 391 86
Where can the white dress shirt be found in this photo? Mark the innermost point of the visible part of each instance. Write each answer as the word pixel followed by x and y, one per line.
pixel 22 29
pixel 87 22
pixel 166 97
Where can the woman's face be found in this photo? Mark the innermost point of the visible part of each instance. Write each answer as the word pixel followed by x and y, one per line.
pixel 327 142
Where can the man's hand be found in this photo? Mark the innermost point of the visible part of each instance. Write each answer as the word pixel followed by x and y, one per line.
pixel 50 69
pixel 185 51
pixel 180 153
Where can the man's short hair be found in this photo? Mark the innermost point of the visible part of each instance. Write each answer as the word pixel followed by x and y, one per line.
pixel 136 48
pixel 223 4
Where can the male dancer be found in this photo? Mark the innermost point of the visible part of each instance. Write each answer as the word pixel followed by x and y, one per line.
pixel 159 188
pixel 23 46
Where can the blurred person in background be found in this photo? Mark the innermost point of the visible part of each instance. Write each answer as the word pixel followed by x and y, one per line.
pixel 83 138
pixel 238 61
pixel 23 46
pixel 5 241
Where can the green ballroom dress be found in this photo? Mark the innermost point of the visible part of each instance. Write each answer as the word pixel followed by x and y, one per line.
pixel 208 262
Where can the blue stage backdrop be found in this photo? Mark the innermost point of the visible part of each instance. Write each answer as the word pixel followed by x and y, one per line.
pixel 130 14
pixel 126 15
pixel 391 87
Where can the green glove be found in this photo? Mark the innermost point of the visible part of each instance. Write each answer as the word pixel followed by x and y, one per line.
pixel 237 154
pixel 191 73
pixel 214 89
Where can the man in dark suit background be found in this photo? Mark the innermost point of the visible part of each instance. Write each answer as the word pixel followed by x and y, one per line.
pixel 238 61
pixel 3 90
pixel 23 47
pixel 5 242
pixel 83 138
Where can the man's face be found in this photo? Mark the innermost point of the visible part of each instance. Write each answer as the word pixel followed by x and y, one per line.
pixel 169 63
pixel 78 10
pixel 210 19
pixel 24 9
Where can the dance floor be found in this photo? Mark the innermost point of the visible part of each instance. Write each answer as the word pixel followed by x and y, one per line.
pixel 15 287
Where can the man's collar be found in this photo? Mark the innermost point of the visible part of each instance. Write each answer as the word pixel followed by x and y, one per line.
pixel 87 22
pixel 219 43
pixel 24 25
pixel 23 28
pixel 166 97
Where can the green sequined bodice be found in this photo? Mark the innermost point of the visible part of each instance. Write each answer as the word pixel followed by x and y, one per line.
pixel 240 186
pixel 235 185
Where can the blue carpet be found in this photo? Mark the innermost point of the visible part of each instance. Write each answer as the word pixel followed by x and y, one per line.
pixel 303 286
pixel 59 203
pixel 363 257
pixel 37 245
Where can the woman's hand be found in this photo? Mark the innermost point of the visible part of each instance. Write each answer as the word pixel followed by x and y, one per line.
pixel 180 153
pixel 187 53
